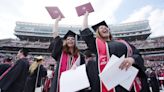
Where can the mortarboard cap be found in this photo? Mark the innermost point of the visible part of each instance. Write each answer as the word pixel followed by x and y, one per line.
pixel 94 27
pixel 54 12
pixel 69 34
pixel 81 10
pixel 72 34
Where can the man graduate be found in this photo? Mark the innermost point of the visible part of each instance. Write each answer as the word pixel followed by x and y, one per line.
pixel 13 79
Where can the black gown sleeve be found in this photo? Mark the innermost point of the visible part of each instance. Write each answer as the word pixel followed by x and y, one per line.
pixel 139 62
pixel 82 59
pixel 92 72
pixel 89 38
pixel 12 75
pixel 56 48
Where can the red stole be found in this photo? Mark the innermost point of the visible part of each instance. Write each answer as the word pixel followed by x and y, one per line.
pixel 103 57
pixel 64 59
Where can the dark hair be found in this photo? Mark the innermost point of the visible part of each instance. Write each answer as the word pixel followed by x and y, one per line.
pixel 88 53
pixel 24 51
pixel 8 59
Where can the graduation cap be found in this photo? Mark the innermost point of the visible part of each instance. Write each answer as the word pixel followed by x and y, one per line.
pixel 99 24
pixel 72 34
pixel 69 34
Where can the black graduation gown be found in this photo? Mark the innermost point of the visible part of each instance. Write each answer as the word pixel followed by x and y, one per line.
pixel 3 68
pixel 56 51
pixel 31 79
pixel 117 49
pixel 14 80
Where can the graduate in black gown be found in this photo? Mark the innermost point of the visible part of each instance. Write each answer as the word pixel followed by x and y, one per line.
pixel 65 52
pixel 13 80
pixel 33 71
pixel 103 46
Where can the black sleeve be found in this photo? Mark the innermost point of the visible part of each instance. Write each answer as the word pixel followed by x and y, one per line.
pixel 89 38
pixel 92 73
pixel 139 62
pixel 82 59
pixel 56 48
pixel 11 76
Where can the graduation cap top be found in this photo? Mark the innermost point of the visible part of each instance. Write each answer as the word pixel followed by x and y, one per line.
pixel 99 24
pixel 69 34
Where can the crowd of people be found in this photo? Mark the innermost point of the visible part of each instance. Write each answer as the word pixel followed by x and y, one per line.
pixel 22 76
pixel 150 43
pixel 156 70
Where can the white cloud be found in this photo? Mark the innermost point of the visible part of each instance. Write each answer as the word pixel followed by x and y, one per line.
pixel 155 17
pixel 104 10
pixel 7 27
pixel 8 15
pixel 34 11
pixel 140 14
pixel 157 22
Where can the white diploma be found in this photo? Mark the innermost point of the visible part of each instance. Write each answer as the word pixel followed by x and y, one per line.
pixel 112 76
pixel 74 79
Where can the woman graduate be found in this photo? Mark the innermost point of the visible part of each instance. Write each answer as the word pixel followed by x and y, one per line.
pixel 65 53
pixel 104 46
pixel 36 74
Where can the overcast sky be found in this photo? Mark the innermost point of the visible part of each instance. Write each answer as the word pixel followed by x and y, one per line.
pixel 112 11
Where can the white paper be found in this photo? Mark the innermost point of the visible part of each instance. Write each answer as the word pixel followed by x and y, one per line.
pixel 74 80
pixel 129 80
pixel 112 75
pixel 127 83
pixel 111 61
